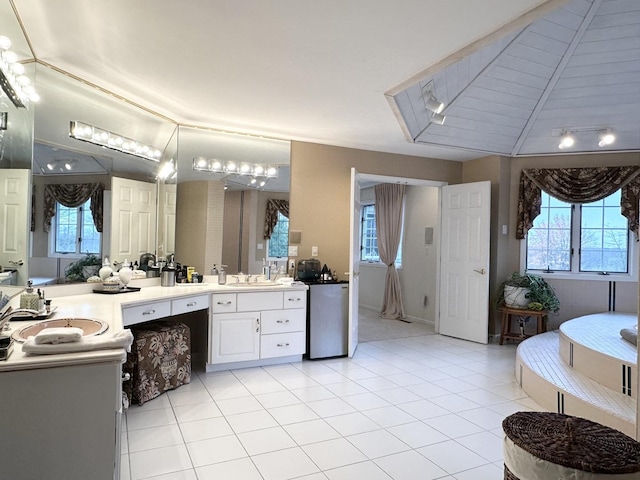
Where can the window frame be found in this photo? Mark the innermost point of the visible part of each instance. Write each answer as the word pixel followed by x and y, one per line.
pixel 84 209
pixel 575 273
pixel 377 262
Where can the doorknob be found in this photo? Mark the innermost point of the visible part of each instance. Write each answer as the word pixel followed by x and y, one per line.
pixel 481 272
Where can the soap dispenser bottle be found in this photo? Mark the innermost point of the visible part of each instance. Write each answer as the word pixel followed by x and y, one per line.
pixel 30 299
pixel 222 275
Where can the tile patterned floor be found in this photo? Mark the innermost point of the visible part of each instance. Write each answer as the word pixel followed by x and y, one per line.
pixel 425 407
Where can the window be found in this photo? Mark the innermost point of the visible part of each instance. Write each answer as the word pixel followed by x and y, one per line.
pixel 74 231
pixel 369 237
pixel 592 237
pixel 278 244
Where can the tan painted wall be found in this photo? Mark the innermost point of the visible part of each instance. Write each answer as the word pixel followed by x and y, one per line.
pixel 320 192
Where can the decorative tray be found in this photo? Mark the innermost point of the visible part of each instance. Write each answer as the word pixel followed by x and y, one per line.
pixel 113 292
pixel 43 315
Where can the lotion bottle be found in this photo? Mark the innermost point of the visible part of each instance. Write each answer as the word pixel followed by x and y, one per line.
pixel 30 299
pixel 222 275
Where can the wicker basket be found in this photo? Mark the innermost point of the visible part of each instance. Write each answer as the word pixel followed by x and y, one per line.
pixel 572 442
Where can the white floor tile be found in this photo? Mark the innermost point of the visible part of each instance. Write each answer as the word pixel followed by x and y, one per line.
pixel 454 402
pixel 310 394
pixel 389 416
pixel 215 450
pixel 155 437
pixel 333 453
pixel 239 405
pixel 150 418
pixel 346 388
pixel 292 414
pixel 284 464
pixel 453 425
pixel 485 444
pixel 452 457
pixel 241 469
pixel 188 397
pixel 224 392
pixel 205 428
pixel 159 461
pixel 156 404
pixel 398 395
pixel 182 475
pixel 427 390
pixel 488 472
pixel 376 383
pixel 365 401
pixel 198 411
pixel 409 466
pixel 352 424
pixel 277 399
pixel 422 409
pixel 246 422
pixel 378 443
pixel 417 434
pixel 404 379
pixel 266 440
pixel 361 471
pixel 483 417
pixel 311 431
pixel 483 397
pixel 330 407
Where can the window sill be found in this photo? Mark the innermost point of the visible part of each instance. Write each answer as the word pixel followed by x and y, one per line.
pixel 377 265
pixel 594 277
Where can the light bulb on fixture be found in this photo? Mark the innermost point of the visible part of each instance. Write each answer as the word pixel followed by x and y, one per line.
pixel 566 141
pixel 5 42
pixel 433 104
pixel 607 137
pixel 438 118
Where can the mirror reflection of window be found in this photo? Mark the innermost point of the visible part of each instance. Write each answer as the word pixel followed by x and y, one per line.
pixel 278 244
pixel 75 232
pixel 369 237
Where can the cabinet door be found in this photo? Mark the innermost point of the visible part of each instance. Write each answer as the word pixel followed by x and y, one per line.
pixel 235 337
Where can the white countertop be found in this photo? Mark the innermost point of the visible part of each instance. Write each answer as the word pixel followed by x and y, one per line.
pixel 78 300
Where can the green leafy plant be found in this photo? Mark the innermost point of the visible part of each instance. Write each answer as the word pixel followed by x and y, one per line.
pixel 541 295
pixel 75 272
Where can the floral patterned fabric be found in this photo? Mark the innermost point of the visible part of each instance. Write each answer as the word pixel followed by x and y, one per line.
pixel 271 215
pixel 577 185
pixel 73 195
pixel 160 360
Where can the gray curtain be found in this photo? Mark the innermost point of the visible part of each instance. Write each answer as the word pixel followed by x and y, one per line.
pixel 389 205
pixel 271 215
pixel 74 195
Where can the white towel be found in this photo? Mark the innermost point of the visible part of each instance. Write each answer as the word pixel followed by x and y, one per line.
pixel 106 341
pixel 55 335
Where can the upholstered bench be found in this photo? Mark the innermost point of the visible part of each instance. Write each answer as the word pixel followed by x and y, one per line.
pixel 160 360
pixel 544 445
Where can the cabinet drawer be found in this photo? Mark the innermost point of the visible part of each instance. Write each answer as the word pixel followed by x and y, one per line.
pixel 145 313
pixel 282 344
pixel 282 321
pixel 256 301
pixel 295 299
pixel 189 304
pixel 223 302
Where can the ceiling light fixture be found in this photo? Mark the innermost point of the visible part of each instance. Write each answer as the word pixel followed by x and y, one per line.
pixel 167 170
pixel 566 140
pixel 97 136
pixel 430 100
pixel 438 118
pixel 607 137
pixel 15 84
pixel 4 120
pixel 231 167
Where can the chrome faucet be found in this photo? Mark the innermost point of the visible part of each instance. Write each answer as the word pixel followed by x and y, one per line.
pixel 9 313
pixel 247 279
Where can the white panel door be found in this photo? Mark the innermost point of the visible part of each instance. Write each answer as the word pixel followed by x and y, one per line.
pixel 133 210
pixel 354 262
pixel 464 271
pixel 14 217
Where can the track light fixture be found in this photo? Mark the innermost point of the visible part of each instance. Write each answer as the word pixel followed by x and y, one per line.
pixel 430 101
pixel 566 140
pixel 438 118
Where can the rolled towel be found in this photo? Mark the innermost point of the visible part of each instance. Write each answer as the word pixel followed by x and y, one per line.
pixel 106 341
pixel 630 335
pixel 56 335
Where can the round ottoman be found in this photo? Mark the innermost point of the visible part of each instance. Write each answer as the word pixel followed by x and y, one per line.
pixel 544 445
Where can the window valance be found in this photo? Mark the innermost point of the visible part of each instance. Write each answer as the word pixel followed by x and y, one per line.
pixel 577 185
pixel 271 216
pixel 74 195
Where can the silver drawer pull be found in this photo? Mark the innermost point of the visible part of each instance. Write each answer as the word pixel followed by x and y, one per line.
pixel 282 321
pixel 192 304
pixel 295 299
pixel 149 312
pixel 225 303
pixel 283 345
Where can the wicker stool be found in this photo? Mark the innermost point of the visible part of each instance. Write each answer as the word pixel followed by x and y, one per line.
pixel 542 445
pixel 160 360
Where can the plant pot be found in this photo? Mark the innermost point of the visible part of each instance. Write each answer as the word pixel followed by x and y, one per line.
pixel 90 271
pixel 516 297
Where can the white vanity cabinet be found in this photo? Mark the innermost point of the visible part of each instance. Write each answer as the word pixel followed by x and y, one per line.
pixel 259 327
pixel 146 312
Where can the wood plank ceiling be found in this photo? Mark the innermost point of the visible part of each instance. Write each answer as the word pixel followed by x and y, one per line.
pixel 575 70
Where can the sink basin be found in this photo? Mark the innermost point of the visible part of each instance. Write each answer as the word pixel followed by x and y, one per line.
pixel 89 327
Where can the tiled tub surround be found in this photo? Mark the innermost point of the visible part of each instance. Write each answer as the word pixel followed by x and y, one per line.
pixel 427 407
pixel 584 369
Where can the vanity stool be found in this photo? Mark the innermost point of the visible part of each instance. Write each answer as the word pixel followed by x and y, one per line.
pixel 160 360
pixel 546 445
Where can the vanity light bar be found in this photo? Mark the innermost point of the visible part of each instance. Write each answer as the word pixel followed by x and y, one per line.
pixel 15 84
pixel 97 136
pixel 232 167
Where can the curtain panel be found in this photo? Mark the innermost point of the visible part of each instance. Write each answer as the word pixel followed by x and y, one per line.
pixel 577 185
pixel 271 215
pixel 74 195
pixel 389 206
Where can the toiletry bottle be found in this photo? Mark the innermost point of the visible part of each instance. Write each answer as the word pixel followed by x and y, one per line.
pixel 30 299
pixel 214 270
pixel 222 275
pixel 40 300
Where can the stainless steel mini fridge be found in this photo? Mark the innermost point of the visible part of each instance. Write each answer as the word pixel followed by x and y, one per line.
pixel 327 320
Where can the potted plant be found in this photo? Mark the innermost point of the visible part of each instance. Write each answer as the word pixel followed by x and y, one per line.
pixel 527 291
pixel 81 270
